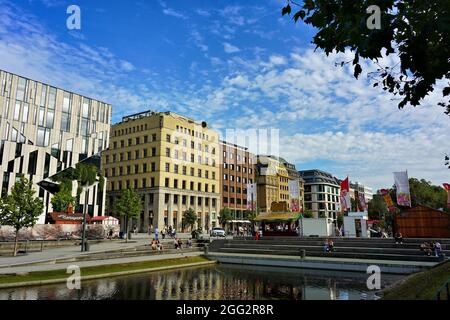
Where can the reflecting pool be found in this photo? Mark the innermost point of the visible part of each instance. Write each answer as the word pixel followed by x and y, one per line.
pixel 220 282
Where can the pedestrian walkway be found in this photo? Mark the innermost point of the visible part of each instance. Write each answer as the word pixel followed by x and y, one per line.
pixel 95 263
pixel 74 251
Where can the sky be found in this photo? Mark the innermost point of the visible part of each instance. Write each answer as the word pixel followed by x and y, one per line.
pixel 238 65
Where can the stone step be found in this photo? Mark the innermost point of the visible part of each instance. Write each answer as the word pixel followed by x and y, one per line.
pixel 333 254
pixel 414 251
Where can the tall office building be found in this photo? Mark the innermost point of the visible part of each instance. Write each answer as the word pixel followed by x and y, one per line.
pixel 237 171
pixel 44 131
pixel 172 161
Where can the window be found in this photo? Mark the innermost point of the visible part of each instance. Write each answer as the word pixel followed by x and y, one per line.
pixel 21 85
pixel 43 137
pixel 17 111
pixel 167 167
pixel 168 152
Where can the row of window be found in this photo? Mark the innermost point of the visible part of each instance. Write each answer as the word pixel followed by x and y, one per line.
pixel 238 201
pixel 238 179
pixel 168 183
pixel 145 168
pixel 144 153
pixel 238 168
pixel 192 133
pixel 322 188
pixel 238 157
pixel 153 138
pixel 46 97
pixel 232 189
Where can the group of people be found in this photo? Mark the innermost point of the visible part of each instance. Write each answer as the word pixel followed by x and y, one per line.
pixel 431 248
pixel 178 244
pixel 157 246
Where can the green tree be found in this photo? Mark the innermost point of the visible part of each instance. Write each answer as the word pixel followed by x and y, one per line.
pixel 377 208
pixel 21 208
pixel 129 206
pixel 225 216
pixel 86 176
pixel 416 31
pixel 62 199
pixel 308 214
pixel 189 218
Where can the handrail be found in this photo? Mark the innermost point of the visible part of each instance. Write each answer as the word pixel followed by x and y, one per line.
pixel 446 286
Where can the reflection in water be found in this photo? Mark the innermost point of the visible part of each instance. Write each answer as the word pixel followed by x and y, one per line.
pixel 224 282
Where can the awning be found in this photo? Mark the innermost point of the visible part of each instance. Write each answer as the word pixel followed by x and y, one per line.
pixel 240 221
pixel 279 217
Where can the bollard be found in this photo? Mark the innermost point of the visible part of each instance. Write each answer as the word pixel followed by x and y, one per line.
pixel 206 249
pixel 26 246
pixel 302 254
pixel 42 245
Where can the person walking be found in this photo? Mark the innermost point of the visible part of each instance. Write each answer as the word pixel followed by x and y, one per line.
pixel 156 234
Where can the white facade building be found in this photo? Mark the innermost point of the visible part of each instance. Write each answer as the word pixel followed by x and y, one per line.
pixel 45 130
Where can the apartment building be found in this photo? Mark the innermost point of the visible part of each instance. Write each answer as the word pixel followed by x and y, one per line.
pixel 237 170
pixel 172 161
pixel 294 175
pixel 322 192
pixel 45 131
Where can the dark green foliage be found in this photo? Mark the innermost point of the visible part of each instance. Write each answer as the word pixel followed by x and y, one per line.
pixel 189 218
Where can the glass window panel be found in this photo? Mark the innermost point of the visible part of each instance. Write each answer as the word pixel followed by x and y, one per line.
pixel 25 112
pixel 66 102
pixel 21 85
pixel 52 98
pixel 14 134
pixel 43 95
pixel 17 111
pixel 40 137
pixel 50 119
pixel 65 122
pixel 85 110
pixel 69 145
pixel 84 127
pixel 41 116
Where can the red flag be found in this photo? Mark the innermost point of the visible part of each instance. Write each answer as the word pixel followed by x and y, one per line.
pixel 447 187
pixel 345 195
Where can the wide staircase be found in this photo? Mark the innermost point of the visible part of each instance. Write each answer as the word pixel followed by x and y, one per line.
pixel 353 248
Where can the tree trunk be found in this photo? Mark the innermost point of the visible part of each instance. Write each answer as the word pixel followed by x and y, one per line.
pixel 15 243
pixel 126 228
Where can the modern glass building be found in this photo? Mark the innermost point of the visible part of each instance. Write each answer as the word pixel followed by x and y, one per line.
pixel 45 130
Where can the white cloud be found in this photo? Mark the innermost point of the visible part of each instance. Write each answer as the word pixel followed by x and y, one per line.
pixel 229 48
pixel 174 13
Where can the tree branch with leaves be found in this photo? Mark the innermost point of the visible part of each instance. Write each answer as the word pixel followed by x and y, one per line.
pixel 416 31
pixel 20 209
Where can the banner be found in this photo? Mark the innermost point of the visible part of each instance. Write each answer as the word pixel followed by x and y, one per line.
pixel 346 203
pixel 388 200
pixel 447 187
pixel 294 194
pixel 402 185
pixel 362 202
pixel 251 196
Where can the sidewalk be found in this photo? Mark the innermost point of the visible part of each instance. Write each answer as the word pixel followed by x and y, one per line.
pixel 94 263
pixel 74 251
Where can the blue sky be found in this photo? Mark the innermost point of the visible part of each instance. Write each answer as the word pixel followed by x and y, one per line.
pixel 235 64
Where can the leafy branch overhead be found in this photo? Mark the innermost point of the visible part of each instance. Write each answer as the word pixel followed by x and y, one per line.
pixel 417 31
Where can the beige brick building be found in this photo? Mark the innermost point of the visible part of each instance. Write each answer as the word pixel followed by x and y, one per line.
pixel 172 161
pixel 44 131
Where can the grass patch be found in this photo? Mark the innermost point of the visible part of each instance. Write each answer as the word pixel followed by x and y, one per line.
pixel 420 286
pixel 90 271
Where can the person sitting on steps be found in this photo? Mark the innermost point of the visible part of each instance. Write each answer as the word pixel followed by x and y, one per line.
pixel 398 238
